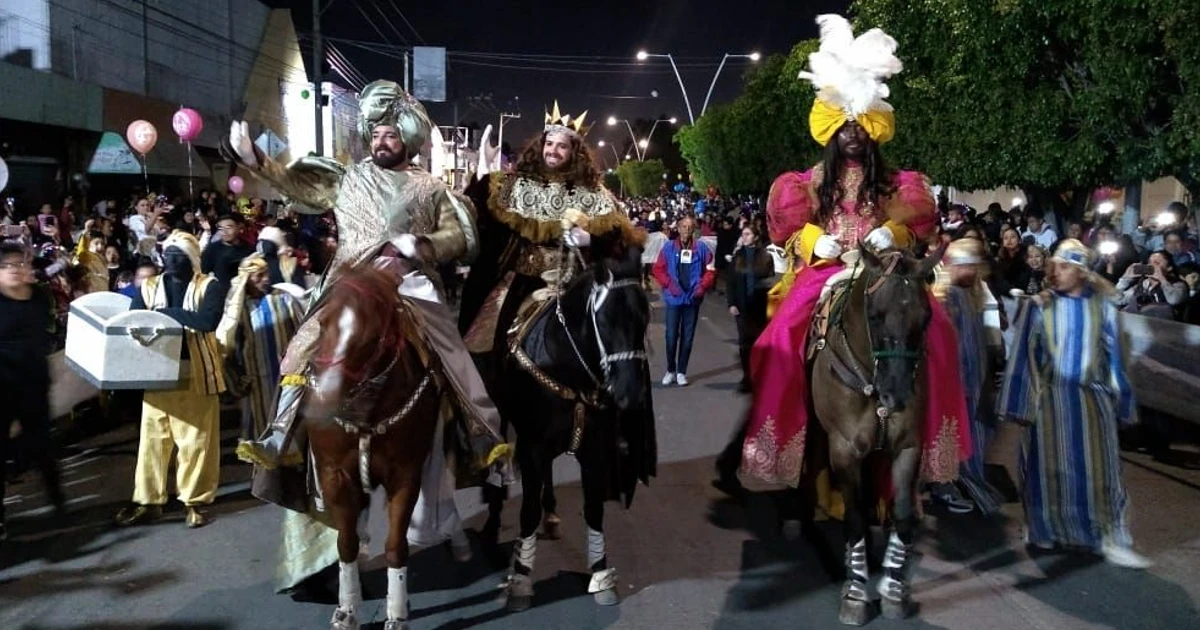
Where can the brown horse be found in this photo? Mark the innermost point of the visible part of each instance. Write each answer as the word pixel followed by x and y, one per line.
pixel 869 396
pixel 371 409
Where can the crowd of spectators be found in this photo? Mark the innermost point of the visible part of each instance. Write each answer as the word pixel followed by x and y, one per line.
pixel 115 244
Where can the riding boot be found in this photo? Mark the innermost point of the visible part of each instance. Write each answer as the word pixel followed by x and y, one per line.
pixel 268 451
pixel 483 419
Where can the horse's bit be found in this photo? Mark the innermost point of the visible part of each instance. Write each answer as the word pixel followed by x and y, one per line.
pixel 599 293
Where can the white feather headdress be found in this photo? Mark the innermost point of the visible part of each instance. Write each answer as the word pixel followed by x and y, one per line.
pixel 849 72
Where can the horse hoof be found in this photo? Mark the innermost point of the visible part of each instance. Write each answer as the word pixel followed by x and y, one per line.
pixel 395 624
pixel 517 603
pixel 551 527
pixel 854 612
pixel 607 598
pixel 343 620
pixel 895 608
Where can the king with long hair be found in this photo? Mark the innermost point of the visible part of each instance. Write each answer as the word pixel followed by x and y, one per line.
pixel 851 197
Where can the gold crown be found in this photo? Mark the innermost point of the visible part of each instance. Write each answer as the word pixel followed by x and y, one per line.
pixel 556 121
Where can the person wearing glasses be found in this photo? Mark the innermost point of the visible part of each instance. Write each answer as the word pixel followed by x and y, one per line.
pixel 26 323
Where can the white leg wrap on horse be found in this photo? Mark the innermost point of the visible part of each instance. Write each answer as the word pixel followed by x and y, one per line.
pixel 525 551
pixel 894 558
pixel 397 593
pixel 856 567
pixel 605 580
pixel 349 589
pixel 595 549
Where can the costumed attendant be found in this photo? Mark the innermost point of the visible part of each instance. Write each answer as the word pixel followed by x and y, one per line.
pixel 254 332
pixel 976 318
pixel 188 418
pixel 282 265
pixel 850 197
pixel 1066 379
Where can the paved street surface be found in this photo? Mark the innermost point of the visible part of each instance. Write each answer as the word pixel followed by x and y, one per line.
pixel 687 556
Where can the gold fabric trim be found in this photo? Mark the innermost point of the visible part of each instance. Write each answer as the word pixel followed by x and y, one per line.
pixel 939 463
pixel 536 260
pixel 481 336
pixel 763 459
pixel 534 210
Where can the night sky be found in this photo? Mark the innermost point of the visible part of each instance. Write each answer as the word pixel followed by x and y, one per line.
pixel 600 37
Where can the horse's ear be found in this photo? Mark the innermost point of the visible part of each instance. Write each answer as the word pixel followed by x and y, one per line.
pixel 930 262
pixel 868 257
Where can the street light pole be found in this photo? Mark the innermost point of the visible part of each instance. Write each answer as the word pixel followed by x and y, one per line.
pixel 643 55
pixel 751 56
pixel 612 120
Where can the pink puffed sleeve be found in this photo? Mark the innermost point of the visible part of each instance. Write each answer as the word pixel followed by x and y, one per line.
pixel 913 205
pixel 790 205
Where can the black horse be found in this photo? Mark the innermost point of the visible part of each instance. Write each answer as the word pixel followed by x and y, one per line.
pixel 576 381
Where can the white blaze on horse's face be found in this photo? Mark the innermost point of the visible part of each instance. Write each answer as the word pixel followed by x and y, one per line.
pixel 330 381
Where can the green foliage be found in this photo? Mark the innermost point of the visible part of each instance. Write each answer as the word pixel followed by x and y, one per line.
pixel 612 181
pixel 641 179
pixel 1049 95
pixel 743 145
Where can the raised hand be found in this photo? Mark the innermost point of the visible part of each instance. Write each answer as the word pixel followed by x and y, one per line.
pixel 489 156
pixel 239 139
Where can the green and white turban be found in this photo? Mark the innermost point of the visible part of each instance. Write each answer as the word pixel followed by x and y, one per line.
pixel 386 103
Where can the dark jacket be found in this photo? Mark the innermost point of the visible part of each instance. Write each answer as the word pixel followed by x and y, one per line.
pixel 748 281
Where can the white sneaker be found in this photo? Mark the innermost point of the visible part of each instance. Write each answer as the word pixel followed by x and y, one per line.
pixel 669 378
pixel 1122 556
pixel 681 379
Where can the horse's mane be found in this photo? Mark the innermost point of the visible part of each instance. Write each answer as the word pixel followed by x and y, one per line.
pixel 385 321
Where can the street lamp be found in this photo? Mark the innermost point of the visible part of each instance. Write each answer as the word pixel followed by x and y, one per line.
pixel 754 56
pixel 616 155
pixel 643 55
pixel 643 143
pixel 612 122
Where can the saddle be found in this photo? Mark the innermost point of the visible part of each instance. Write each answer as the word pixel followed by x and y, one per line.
pixel 829 308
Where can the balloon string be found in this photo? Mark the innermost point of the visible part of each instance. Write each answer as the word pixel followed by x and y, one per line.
pixel 191 190
pixel 145 176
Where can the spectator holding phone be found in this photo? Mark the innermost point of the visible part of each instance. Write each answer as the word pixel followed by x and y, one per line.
pixel 1037 231
pixel 1152 289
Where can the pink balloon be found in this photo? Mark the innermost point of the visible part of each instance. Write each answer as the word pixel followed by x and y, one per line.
pixel 236 184
pixel 187 124
pixel 142 136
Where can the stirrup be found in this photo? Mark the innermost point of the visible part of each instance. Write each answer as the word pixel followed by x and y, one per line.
pixel 255 453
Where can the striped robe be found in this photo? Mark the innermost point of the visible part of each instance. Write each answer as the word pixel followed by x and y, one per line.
pixel 967 310
pixel 1066 376
pixel 268 325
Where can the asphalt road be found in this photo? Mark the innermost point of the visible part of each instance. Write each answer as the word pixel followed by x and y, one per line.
pixel 687 556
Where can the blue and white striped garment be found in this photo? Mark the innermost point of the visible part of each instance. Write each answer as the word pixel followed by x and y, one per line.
pixel 1067 378
pixel 963 305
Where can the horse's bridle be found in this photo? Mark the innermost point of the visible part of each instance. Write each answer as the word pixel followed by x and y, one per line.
pixel 877 353
pixel 596 298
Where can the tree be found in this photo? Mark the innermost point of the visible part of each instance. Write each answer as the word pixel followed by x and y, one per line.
pixel 1055 97
pixel 612 181
pixel 743 145
pixel 641 179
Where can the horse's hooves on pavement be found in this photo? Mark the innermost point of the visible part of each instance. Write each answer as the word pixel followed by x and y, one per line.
pixel 517 603
pixel 607 598
pixel 855 612
pixel 895 609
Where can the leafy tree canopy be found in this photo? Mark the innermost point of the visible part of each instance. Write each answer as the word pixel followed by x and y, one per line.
pixel 641 179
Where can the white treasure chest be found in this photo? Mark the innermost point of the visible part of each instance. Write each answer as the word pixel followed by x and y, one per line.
pixel 116 348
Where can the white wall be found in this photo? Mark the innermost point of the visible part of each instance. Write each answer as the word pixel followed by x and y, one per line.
pixel 26 24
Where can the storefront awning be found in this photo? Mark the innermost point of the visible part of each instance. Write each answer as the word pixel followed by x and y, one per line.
pixel 168 158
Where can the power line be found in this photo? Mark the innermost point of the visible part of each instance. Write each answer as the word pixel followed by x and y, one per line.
pixel 387 21
pixel 369 21
pixel 409 24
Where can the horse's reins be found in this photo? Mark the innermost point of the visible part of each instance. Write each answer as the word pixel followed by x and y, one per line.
pixel 847 366
pixel 599 293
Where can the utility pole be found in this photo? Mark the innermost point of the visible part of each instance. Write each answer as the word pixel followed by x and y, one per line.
pixel 318 56
pixel 406 73
pixel 145 50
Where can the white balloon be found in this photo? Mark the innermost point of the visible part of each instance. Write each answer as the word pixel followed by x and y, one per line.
pixel 3 174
